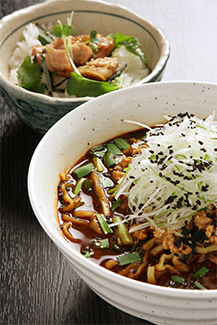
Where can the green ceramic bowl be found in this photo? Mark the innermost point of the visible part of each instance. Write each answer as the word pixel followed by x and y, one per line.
pixel 39 111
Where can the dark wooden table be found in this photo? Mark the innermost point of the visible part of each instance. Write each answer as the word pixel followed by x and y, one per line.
pixel 37 284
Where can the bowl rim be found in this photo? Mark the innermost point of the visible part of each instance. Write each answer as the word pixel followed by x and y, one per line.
pixel 63 244
pixel 164 48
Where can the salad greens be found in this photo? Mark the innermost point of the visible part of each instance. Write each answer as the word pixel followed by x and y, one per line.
pixel 30 74
pixel 94 40
pixel 80 86
pixel 132 44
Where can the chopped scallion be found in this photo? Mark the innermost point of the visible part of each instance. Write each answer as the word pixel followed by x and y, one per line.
pixel 144 136
pixel 98 164
pixel 105 243
pixel 94 149
pixel 112 190
pixel 86 254
pixel 111 147
pixel 105 227
pixel 116 204
pixel 83 170
pixel 134 246
pixel 88 183
pixel 199 285
pixel 121 143
pixel 129 258
pixel 200 273
pixel 123 232
pixel 78 186
pixel 109 159
pixel 101 243
pixel 177 279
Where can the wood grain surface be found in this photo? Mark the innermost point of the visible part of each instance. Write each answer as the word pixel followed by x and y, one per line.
pixel 37 284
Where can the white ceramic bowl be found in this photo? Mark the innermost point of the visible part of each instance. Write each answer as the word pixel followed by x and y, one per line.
pixel 68 140
pixel 40 111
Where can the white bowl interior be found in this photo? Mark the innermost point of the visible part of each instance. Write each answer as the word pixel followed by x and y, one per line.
pixel 69 139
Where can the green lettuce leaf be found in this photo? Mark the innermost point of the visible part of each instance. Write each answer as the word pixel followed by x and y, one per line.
pixel 132 44
pixel 44 38
pixel 29 76
pixel 81 87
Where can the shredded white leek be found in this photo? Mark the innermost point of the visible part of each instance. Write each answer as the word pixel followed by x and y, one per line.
pixel 175 176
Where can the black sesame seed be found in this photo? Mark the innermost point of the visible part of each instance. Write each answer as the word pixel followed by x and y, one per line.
pixel 198 202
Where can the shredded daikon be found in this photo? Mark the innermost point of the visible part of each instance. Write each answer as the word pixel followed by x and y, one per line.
pixel 175 176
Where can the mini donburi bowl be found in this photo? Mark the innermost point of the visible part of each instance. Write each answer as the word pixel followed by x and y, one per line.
pixel 40 111
pixel 68 140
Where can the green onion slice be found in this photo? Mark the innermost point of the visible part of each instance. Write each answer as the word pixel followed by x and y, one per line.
pixel 144 136
pixel 105 243
pixel 111 147
pixel 98 164
pixel 116 204
pixel 105 227
pixel 78 186
pixel 200 273
pixel 83 170
pixel 94 149
pixel 86 254
pixel 177 279
pixel 101 243
pixel 109 159
pixel 199 285
pixel 98 151
pixel 88 183
pixel 123 232
pixel 129 258
pixel 112 190
pixel 121 143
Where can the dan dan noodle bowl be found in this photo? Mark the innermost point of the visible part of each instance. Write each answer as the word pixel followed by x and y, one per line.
pixel 144 205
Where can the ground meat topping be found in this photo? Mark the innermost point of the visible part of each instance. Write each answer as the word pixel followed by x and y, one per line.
pixel 201 220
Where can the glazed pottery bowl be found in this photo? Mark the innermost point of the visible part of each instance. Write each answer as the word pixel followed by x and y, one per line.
pixel 68 140
pixel 40 111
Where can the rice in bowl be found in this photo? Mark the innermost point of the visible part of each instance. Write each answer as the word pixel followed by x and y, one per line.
pixel 134 72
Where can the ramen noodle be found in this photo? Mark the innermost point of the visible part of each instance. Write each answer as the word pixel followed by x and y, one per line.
pixel 144 205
